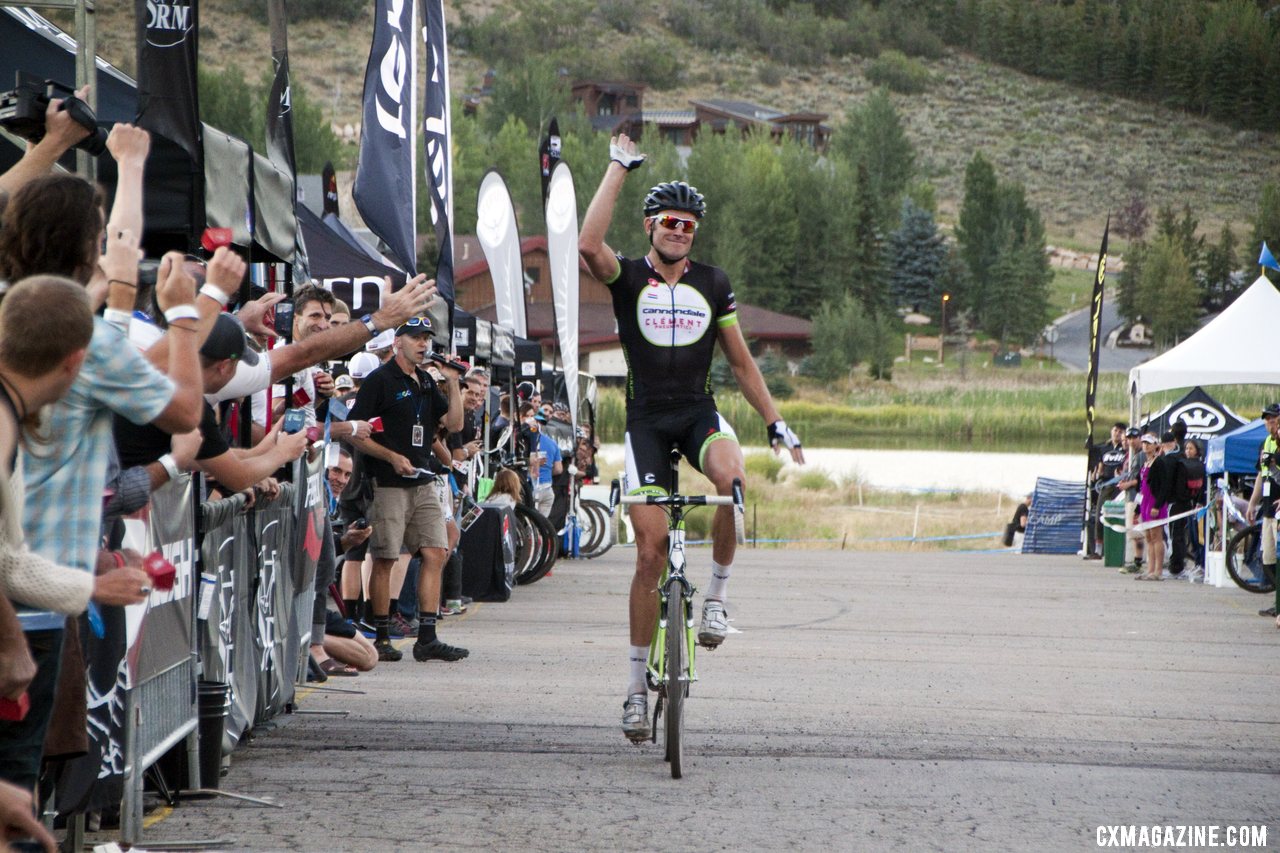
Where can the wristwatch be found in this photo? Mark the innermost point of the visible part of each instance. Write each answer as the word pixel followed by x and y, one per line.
pixel 367 320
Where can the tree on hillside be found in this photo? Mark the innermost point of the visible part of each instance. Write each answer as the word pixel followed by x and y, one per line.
pixel 978 234
pixel 916 255
pixel 866 272
pixel 1220 265
pixel 1182 231
pixel 1266 226
pixel 532 91
pixel 1129 282
pixel 1133 219
pixel 873 137
pixel 1168 295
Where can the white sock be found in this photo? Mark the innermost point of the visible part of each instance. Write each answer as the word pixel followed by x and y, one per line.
pixel 718 589
pixel 637 659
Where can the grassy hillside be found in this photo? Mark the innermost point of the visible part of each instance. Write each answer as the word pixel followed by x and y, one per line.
pixel 1072 149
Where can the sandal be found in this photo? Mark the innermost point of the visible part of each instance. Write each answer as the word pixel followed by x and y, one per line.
pixel 332 666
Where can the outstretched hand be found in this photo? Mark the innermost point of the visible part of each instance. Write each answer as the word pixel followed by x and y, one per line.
pixel 624 151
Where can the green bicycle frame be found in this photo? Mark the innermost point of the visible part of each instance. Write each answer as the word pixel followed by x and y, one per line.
pixel 657 665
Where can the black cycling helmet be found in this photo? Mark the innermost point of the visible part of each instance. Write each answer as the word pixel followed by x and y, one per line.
pixel 675 195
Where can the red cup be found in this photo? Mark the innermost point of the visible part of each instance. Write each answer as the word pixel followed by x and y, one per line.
pixel 15 710
pixel 213 238
pixel 162 572
pixel 375 424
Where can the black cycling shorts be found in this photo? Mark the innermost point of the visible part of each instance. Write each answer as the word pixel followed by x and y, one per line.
pixel 649 439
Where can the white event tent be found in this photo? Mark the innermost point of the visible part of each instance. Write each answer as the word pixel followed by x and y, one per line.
pixel 1236 348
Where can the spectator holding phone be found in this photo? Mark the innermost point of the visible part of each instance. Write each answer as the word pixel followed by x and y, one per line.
pixel 406 509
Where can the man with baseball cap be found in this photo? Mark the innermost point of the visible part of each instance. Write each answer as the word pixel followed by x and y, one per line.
pixel 407 510
pixel 1130 479
pixel 1263 499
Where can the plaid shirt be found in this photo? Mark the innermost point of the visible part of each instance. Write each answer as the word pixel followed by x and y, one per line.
pixel 66 473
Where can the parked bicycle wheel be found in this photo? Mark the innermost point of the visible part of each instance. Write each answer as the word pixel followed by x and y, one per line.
pixel 1244 561
pixel 597 529
pixel 544 545
pixel 528 542
pixel 677 686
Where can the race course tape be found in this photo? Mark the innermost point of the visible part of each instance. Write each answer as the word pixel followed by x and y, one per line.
pixel 1159 522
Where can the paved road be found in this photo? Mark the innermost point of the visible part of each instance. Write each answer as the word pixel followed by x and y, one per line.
pixel 1072 346
pixel 871 702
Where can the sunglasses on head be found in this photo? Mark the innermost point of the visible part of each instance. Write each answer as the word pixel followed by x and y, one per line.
pixel 416 323
pixel 675 223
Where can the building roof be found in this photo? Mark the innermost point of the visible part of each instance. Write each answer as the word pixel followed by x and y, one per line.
pixel 744 110
pixel 670 118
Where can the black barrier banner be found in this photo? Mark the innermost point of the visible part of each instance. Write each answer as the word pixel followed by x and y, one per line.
pixel 95 780
pixel 224 610
pixel 274 602
pixel 384 187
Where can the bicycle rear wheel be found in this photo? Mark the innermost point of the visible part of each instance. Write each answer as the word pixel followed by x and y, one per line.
pixel 1244 561
pixel 544 546
pixel 597 522
pixel 677 684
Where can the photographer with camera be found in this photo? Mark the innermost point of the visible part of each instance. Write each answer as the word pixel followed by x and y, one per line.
pixel 52 127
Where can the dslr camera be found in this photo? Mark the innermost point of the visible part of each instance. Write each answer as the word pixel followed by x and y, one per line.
pixel 22 112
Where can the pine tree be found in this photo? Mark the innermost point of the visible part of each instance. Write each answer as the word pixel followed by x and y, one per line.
pixel 1266 226
pixel 916 255
pixel 873 137
pixel 1170 298
pixel 977 233
pixel 1219 271
pixel 866 272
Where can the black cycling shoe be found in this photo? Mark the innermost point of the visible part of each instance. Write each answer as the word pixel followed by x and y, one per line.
pixel 388 652
pixel 438 650
pixel 1270 611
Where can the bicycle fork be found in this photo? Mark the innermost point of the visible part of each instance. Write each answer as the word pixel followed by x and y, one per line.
pixel 673 583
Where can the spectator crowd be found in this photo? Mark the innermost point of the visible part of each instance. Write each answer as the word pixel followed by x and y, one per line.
pixel 120 374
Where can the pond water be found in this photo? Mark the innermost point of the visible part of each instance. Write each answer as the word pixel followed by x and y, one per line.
pixel 930 470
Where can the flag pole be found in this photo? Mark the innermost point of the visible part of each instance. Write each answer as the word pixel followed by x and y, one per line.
pixel 1091 392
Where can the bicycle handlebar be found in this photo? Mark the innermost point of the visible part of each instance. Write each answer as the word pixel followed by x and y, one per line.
pixel 735 500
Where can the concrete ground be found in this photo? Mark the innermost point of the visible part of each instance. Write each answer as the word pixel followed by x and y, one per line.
pixel 871 701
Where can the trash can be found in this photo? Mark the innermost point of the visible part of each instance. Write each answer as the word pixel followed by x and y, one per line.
pixel 1113 540
pixel 215 704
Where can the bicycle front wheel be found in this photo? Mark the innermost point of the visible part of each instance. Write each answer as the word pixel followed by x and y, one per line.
pixel 677 682
pixel 1244 561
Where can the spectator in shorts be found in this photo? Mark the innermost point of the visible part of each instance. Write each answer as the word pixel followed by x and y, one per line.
pixel 546 452
pixel 406 509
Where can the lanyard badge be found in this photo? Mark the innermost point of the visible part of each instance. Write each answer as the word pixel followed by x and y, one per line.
pixel 418 435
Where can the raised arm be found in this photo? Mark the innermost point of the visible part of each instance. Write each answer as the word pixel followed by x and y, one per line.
pixel 129 146
pixel 600 259
pixel 61 132
pixel 409 301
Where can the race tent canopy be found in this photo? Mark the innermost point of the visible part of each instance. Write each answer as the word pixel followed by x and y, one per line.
pixel 1236 348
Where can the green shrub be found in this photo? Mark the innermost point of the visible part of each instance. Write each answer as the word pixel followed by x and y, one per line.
pixel 651 60
pixel 762 466
pixel 898 72
pixel 814 481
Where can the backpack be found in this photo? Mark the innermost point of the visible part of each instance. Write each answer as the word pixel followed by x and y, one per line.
pixel 1190 480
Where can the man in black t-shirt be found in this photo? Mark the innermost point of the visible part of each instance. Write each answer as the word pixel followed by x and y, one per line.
pixel 1111 458
pixel 671 312
pixel 234 469
pixel 407 510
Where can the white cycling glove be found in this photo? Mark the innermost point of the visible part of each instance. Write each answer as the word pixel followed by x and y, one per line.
pixel 628 160
pixel 780 433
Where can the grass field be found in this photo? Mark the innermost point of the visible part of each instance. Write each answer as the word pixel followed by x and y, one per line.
pixel 1028 409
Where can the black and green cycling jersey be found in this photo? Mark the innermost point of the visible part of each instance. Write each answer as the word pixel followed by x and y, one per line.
pixel 668 332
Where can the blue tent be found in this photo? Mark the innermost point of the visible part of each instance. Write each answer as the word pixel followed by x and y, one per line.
pixel 1237 451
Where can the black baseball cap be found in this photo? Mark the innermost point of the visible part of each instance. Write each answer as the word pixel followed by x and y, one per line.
pixel 415 326
pixel 1132 432
pixel 1167 437
pixel 227 340
pixel 1272 411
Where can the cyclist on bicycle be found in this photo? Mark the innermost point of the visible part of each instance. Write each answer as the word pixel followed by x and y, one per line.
pixel 670 312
